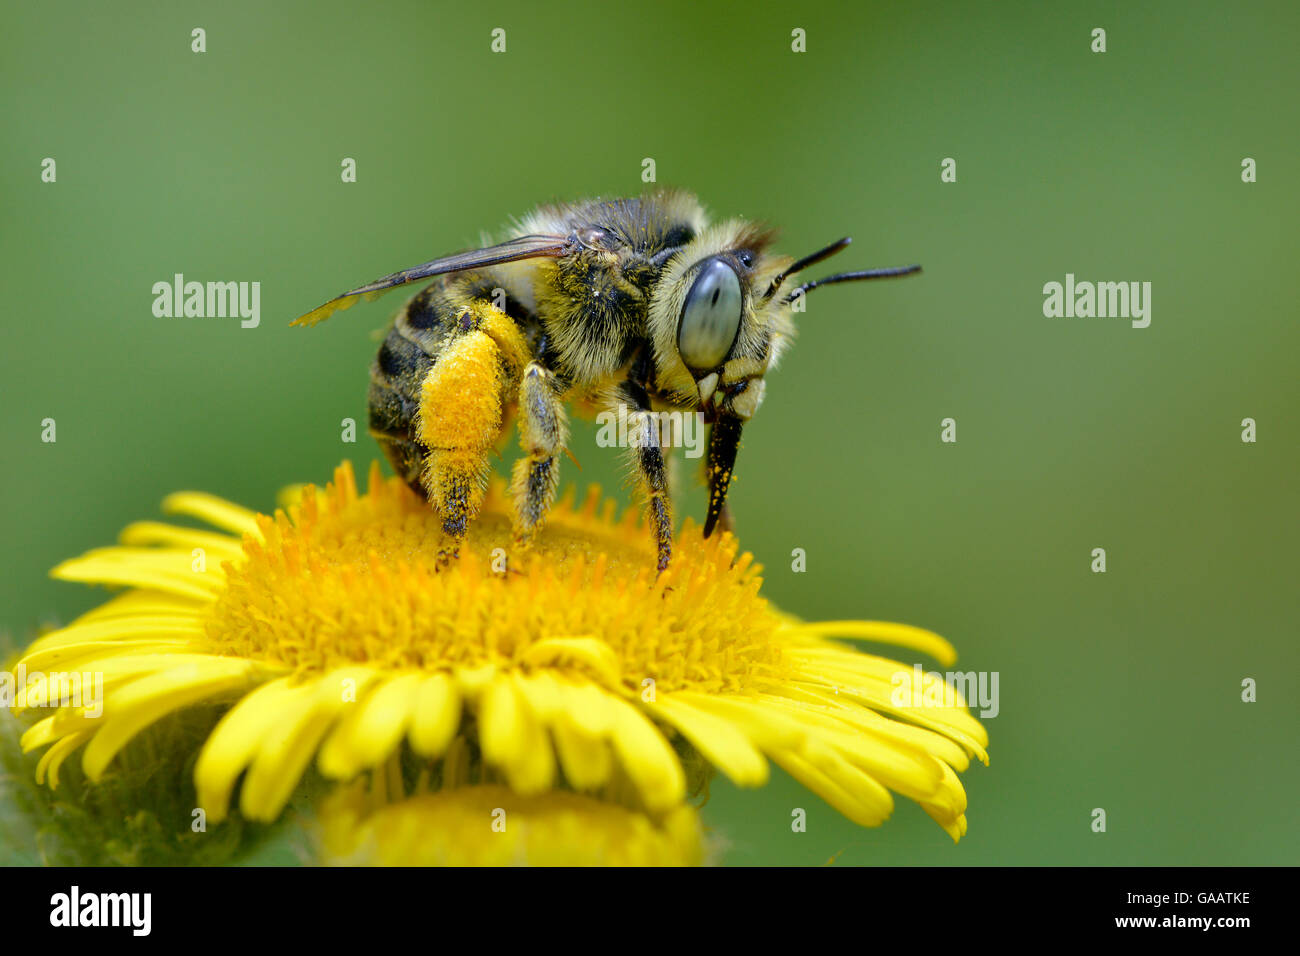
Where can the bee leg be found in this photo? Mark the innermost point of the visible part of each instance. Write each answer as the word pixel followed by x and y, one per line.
pixel 543 433
pixel 724 440
pixel 459 420
pixel 726 520
pixel 648 456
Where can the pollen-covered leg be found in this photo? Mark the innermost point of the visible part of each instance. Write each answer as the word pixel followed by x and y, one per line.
pixel 724 440
pixel 459 420
pixel 543 433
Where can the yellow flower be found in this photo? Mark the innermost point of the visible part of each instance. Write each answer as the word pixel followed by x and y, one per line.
pixel 490 825
pixel 335 636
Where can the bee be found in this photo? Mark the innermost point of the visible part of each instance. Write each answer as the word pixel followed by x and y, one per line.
pixel 639 304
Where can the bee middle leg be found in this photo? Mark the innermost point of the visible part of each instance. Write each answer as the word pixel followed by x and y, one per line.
pixel 647 449
pixel 543 434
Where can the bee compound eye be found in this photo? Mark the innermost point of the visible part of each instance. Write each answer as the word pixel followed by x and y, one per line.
pixel 710 316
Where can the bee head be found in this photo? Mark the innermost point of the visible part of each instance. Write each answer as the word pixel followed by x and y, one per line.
pixel 716 330
pixel 721 315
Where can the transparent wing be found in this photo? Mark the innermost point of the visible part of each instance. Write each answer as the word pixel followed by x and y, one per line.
pixel 524 247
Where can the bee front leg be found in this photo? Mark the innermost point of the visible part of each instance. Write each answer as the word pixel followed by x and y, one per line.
pixel 648 458
pixel 543 433
pixel 719 465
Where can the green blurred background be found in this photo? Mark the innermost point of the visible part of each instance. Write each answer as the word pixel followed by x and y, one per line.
pixel 1119 691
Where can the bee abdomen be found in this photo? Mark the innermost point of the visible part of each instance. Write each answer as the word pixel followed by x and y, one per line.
pixel 395 378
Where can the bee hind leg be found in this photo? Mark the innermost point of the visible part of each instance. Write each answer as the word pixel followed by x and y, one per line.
pixel 459 420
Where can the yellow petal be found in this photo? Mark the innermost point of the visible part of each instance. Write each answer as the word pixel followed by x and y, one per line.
pixel 473 681
pixel 866 803
pixel 541 693
pixel 94 656
pixel 502 720
pixel 106 671
pixel 956 828
pixel 39 734
pixel 646 757
pixel 370 732
pixel 52 759
pixel 769 728
pixel 215 511
pixel 435 716
pixel 721 743
pixel 235 741
pixel 587 706
pixel 100 633
pixel 585 759
pixel 100 568
pixel 285 752
pixel 514 739
pixel 144 603
pixel 534 772
pixel 594 654
pixel 884 632
pixel 917 737
pixel 143 533
pixel 142 702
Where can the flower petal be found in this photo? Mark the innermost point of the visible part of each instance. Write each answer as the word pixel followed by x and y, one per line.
pixel 215 511
pixel 140 703
pixel 436 715
pixel 884 632
pixel 285 752
pixel 513 738
pixel 863 800
pixel 235 740
pixel 646 757
pixel 721 743
pixel 370 732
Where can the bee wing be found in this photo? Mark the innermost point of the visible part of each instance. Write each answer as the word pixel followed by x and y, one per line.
pixel 524 247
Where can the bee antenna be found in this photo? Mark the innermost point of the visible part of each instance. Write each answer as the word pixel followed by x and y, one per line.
pixel 891 272
pixel 805 262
